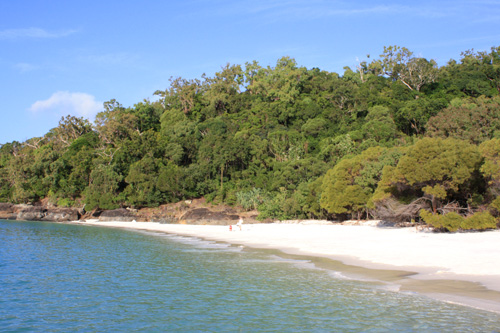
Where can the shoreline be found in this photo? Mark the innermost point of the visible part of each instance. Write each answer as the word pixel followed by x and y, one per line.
pixel 459 268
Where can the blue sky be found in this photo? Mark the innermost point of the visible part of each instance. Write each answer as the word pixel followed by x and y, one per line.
pixel 68 57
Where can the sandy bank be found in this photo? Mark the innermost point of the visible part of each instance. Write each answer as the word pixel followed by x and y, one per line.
pixel 458 265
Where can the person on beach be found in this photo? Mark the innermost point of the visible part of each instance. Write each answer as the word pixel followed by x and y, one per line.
pixel 240 223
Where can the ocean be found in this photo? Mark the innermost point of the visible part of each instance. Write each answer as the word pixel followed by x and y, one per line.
pixel 75 278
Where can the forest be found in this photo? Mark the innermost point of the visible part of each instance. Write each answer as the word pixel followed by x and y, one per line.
pixel 396 138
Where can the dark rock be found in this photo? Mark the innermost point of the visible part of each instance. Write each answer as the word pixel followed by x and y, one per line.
pixel 39 213
pixel 206 216
pixel 119 215
pixel 165 220
pixel 8 216
pixel 61 215
pixel 31 214
pixel 6 207
pixel 7 211
pixel 163 214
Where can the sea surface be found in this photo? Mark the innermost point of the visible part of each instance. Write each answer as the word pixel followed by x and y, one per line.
pixel 76 278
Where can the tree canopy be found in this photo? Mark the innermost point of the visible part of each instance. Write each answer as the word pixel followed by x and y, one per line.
pixel 289 141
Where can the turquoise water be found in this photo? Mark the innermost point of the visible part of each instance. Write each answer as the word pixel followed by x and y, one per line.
pixel 71 278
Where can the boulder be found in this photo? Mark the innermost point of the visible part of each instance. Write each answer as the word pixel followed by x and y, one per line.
pixel 31 214
pixel 61 215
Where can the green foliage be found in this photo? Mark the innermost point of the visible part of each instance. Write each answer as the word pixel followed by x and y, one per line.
pixel 284 205
pixel 476 74
pixel 496 204
pixel 291 141
pixel 479 221
pixel 473 120
pixel 142 188
pixel 490 150
pixel 453 221
pixel 412 116
pixel 311 193
pixel 171 182
pixel 438 166
pixel 379 125
pixel 250 199
pixel 314 126
pixel 348 187
pixel 65 202
pixel 333 149
pixel 398 63
pixel 102 192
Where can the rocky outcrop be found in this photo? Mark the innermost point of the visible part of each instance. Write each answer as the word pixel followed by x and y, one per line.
pixel 38 213
pixel 206 216
pixel 118 215
pixel 164 214
pixel 31 214
pixel 7 211
pixel 61 214
pixel 189 216
pixel 185 212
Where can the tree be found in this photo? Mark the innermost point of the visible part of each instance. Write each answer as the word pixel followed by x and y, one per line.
pixel 477 73
pixel 102 192
pixel 114 124
pixel 281 83
pixel 340 192
pixel 488 64
pixel 379 125
pixel 171 182
pixel 71 172
pixel 221 89
pixel 413 115
pixel 333 149
pixel 182 94
pixel 142 190
pixel 348 187
pixel 474 120
pixel 286 145
pixel 399 64
pixel 70 128
pixel 438 167
pixel 147 116
pixel 490 150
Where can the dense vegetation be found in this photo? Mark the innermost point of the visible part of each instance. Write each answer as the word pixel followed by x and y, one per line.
pixel 397 138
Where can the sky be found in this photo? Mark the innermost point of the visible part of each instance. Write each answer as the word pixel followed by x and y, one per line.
pixel 60 57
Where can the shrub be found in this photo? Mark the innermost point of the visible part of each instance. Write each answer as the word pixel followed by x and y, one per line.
pixel 250 199
pixel 479 221
pixel 453 221
pixel 65 202
pixel 496 204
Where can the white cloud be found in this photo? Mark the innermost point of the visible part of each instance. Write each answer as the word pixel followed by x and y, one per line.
pixel 66 103
pixel 33 33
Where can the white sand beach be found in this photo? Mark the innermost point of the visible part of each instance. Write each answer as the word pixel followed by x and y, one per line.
pixel 439 262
